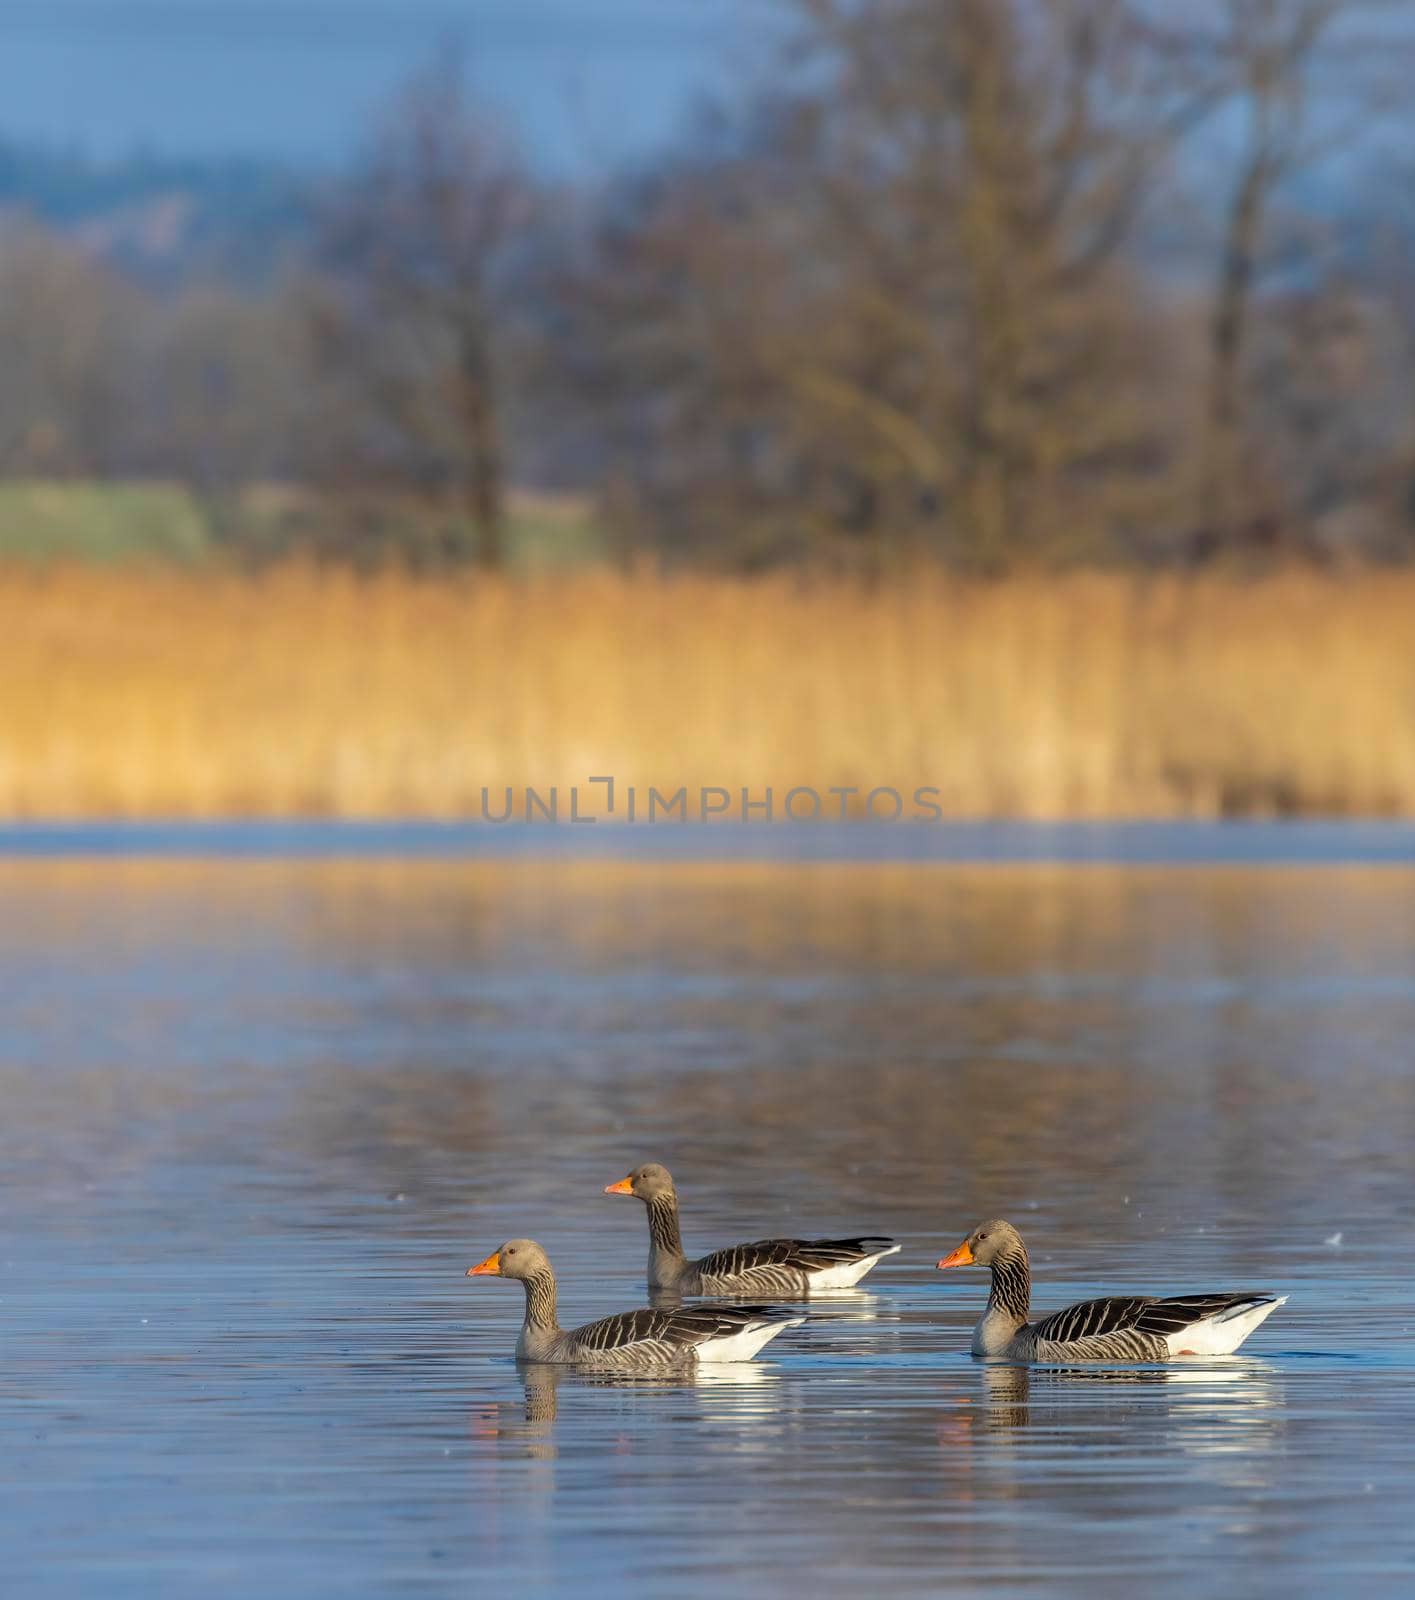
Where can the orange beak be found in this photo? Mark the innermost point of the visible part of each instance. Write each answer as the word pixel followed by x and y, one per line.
pixel 622 1187
pixel 961 1257
pixel 490 1268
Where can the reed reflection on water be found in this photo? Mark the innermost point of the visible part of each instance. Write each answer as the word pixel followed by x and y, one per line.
pixel 260 1117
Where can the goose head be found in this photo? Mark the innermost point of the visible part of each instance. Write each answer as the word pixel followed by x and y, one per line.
pixel 649 1182
pixel 988 1242
pixel 517 1258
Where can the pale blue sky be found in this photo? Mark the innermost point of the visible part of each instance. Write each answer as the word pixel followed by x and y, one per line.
pixel 591 82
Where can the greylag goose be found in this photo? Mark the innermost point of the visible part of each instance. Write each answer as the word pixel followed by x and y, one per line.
pixel 644 1341
pixel 1122 1328
pixel 786 1267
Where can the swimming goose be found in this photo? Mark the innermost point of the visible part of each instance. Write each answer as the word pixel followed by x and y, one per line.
pixel 644 1341
pixel 786 1267
pixel 1123 1328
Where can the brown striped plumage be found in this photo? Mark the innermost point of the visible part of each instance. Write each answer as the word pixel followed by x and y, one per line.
pixel 642 1341
pixel 785 1268
pixel 1118 1328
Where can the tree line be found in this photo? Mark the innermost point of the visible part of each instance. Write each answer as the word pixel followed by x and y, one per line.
pixel 1000 282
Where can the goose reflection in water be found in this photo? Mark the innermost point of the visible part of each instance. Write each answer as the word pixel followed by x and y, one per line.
pixel 542 1384
pixel 861 1305
pixel 1222 1406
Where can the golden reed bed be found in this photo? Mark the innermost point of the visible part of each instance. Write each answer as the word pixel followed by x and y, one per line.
pixel 163 694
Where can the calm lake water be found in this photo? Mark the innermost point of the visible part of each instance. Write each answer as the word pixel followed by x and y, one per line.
pixel 261 1114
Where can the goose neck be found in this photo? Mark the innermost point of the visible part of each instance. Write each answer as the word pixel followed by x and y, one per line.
pixel 1012 1283
pixel 663 1226
pixel 540 1301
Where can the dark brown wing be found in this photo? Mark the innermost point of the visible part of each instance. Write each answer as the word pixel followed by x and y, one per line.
pixel 1184 1310
pixel 800 1255
pixel 676 1328
pixel 1115 1314
pixel 1137 1314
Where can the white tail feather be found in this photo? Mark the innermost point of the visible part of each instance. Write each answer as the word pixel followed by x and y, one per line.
pixel 743 1346
pixel 847 1276
pixel 1221 1335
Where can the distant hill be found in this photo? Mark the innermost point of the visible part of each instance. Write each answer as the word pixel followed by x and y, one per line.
pixel 166 221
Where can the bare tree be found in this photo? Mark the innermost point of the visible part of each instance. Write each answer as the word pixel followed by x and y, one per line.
pixel 70 334
pixel 221 381
pixel 409 322
pixel 897 311
pixel 1301 90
